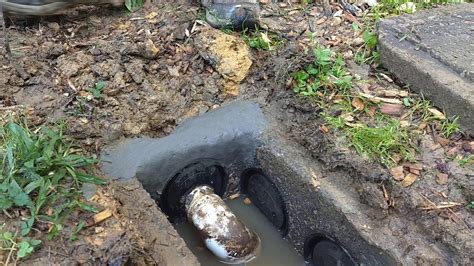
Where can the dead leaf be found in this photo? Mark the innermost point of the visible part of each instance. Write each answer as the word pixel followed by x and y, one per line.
pixel 415 171
pixel 387 78
pixel 397 173
pixel 101 216
pixel 416 166
pixel 397 157
pixel 375 99
pixel 409 180
pixel 404 123
pixel 152 15
pixel 442 178
pixel 391 109
pixel 234 196
pixel 347 117
pixel 437 114
pixel 452 152
pixel 358 104
pixel 324 129
pixel 371 111
pixel 403 93
pixel 442 141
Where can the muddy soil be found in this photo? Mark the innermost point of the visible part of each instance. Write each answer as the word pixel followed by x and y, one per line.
pixel 156 75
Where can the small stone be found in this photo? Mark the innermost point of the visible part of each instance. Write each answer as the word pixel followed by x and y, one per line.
pixel 357 41
pixel 348 55
pixel 54 26
pixel 336 21
pixel 150 51
pixel 247 201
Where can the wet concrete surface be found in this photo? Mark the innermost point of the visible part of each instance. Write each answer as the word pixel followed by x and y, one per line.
pixel 431 51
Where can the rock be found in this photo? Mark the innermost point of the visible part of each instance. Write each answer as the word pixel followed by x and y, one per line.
pixel 54 26
pixel 336 21
pixel 357 41
pixel 229 55
pixel 247 201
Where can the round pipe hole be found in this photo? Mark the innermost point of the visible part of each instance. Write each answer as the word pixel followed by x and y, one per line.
pixel 201 172
pixel 266 196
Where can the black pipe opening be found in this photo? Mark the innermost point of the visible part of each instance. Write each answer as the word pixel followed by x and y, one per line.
pixel 320 250
pixel 266 196
pixel 201 172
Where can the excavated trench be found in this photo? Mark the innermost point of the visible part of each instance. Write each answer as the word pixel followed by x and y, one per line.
pixel 301 212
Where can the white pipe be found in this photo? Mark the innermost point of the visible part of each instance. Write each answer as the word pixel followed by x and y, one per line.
pixel 223 233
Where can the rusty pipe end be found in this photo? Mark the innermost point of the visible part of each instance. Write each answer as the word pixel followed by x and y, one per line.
pixel 223 233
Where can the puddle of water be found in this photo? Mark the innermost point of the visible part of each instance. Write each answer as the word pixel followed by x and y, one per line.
pixel 275 250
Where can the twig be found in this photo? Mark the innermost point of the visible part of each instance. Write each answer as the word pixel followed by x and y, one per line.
pixel 459 218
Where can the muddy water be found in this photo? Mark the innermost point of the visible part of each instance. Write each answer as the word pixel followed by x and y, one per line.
pixel 275 250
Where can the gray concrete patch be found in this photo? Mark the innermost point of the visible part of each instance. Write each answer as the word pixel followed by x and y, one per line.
pixel 431 51
pixel 228 134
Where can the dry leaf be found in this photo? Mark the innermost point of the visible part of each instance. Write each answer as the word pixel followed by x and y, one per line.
pixel 375 99
pixel 409 180
pixel 324 129
pixel 347 117
pixel 415 171
pixel 152 15
pixel 234 196
pixel 403 93
pixel 416 166
pixel 422 125
pixel 452 152
pixel 437 114
pixel 397 173
pixel 442 141
pixel 442 178
pixel 404 123
pixel 387 78
pixel 101 216
pixel 358 104
pixel 391 109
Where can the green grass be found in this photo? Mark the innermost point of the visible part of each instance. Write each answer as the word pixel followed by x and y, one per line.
pixel 42 174
pixel 335 122
pixel 261 40
pixel 326 73
pixel 382 142
pixel 448 128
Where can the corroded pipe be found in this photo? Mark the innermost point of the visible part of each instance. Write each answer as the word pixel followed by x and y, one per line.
pixel 223 233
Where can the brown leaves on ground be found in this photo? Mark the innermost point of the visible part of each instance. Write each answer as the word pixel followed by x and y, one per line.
pixel 358 104
pixel 442 178
pixel 392 109
pixel 412 170
pixel 409 180
pixel 397 173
